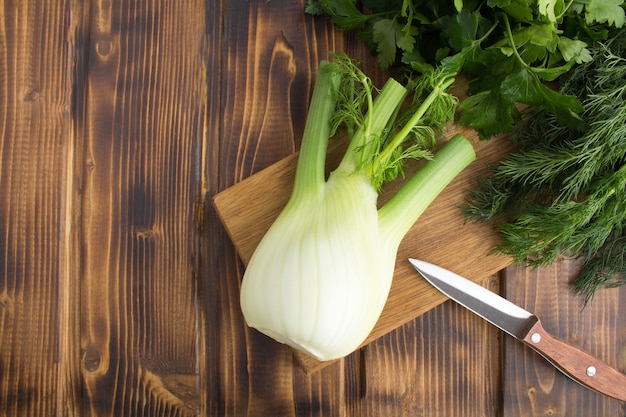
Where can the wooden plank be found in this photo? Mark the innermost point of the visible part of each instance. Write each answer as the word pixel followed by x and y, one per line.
pixel 533 387
pixel 38 350
pixel 214 251
pixel 144 115
pixel 442 235
pixel 329 392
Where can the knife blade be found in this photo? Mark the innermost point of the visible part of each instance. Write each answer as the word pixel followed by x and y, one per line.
pixel 574 362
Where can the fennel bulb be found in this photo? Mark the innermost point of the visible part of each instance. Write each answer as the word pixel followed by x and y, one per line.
pixel 320 277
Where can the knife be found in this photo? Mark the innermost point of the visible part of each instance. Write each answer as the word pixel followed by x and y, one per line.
pixel 574 362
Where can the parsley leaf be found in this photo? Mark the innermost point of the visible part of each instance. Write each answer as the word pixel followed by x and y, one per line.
pixel 574 50
pixel 388 34
pixel 520 10
pixel 524 86
pixel 489 112
pixel 550 8
pixel 605 11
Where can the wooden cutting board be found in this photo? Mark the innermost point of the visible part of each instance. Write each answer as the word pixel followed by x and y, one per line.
pixel 442 235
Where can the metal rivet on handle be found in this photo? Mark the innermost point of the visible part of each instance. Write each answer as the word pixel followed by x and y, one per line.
pixel 591 371
pixel 535 338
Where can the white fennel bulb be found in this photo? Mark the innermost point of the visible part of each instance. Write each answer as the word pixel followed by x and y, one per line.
pixel 319 279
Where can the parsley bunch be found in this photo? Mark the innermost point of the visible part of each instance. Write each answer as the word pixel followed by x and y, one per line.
pixel 564 190
pixel 507 49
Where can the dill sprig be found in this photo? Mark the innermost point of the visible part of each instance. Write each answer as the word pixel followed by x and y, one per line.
pixel 411 134
pixel 563 192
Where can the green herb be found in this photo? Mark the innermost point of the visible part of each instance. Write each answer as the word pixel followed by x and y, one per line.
pixel 320 277
pixel 564 191
pixel 508 49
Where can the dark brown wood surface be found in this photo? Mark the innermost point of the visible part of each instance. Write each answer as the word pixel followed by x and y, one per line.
pixel 119 122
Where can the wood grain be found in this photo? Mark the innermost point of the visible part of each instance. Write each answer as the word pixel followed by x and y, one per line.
pixel 38 348
pixel 533 387
pixel 403 368
pixel 144 111
pixel 578 364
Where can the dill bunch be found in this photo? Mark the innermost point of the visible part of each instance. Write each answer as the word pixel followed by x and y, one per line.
pixel 563 191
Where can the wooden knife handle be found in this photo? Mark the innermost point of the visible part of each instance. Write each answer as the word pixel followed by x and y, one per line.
pixel 579 365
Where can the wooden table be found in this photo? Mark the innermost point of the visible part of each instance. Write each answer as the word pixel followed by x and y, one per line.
pixel 118 284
